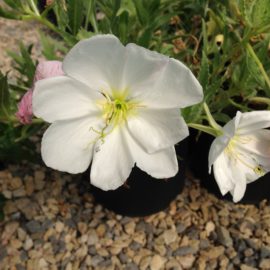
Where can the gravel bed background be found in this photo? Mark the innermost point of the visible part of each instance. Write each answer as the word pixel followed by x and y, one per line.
pixel 52 222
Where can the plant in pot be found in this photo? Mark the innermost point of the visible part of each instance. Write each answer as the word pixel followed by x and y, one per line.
pixel 108 108
pixel 236 78
pixel 122 110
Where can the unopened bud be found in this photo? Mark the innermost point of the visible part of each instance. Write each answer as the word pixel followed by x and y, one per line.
pixel 219 40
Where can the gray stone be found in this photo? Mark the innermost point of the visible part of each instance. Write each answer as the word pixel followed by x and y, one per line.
pixel 92 250
pixel 46 224
pixel 135 245
pixel 3 252
pixel 180 228
pixel 265 252
pixel 131 266
pixel 33 226
pixel 224 237
pixel 96 260
pixel 24 256
pixel 185 250
pixel 20 267
pixel 106 263
pixel 70 223
pixel 204 243
pixel 123 258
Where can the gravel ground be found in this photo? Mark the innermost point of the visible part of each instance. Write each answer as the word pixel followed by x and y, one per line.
pixel 52 222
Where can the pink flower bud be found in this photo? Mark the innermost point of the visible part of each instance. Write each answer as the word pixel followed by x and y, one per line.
pixel 25 113
pixel 44 70
pixel 48 69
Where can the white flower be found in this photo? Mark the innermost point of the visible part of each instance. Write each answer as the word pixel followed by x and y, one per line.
pixel 115 106
pixel 242 154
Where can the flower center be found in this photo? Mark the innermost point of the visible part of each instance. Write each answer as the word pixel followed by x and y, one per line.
pixel 232 152
pixel 117 108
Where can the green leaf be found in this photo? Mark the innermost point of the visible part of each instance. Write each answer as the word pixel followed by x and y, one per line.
pixel 8 14
pixel 50 47
pixel 254 70
pixel 246 8
pixel 4 96
pixel 145 37
pixel 123 26
pixel 75 14
pixel 261 13
pixel 84 34
pixel 141 12
pixel 204 71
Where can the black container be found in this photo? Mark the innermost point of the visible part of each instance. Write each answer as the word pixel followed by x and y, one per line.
pixel 143 195
pixel 198 164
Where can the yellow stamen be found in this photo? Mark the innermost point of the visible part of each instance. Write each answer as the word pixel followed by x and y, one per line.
pixel 231 151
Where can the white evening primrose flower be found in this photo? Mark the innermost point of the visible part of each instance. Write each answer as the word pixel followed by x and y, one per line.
pixel 242 153
pixel 115 106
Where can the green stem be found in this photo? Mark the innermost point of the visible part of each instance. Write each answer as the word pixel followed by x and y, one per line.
pixel 237 105
pixel 210 118
pixel 206 129
pixel 14 120
pixel 34 7
pixel 260 100
pixel 93 16
pixel 260 66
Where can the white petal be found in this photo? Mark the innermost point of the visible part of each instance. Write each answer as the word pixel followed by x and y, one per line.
pixel 68 145
pixel 61 98
pixel 161 165
pixel 159 81
pixel 216 149
pixel 223 174
pixel 157 129
pixel 251 121
pixel 257 142
pixel 231 127
pixel 230 175
pixel 98 62
pixel 112 161
pixel 240 184
pixel 254 152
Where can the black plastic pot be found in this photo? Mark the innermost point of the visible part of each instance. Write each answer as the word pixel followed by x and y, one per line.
pixel 143 195
pixel 198 164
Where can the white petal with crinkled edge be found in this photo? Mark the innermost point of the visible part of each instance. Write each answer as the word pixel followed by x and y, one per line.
pixel 68 145
pixel 97 62
pixel 61 98
pixel 162 164
pixel 112 161
pixel 159 81
pixel 252 121
pixel 155 130
pixel 223 174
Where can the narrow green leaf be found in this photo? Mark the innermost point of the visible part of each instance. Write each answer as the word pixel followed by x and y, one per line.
pixel 141 12
pixel 4 96
pixel 204 71
pixel 75 14
pixel 123 27
pixel 8 14
pixel 254 70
